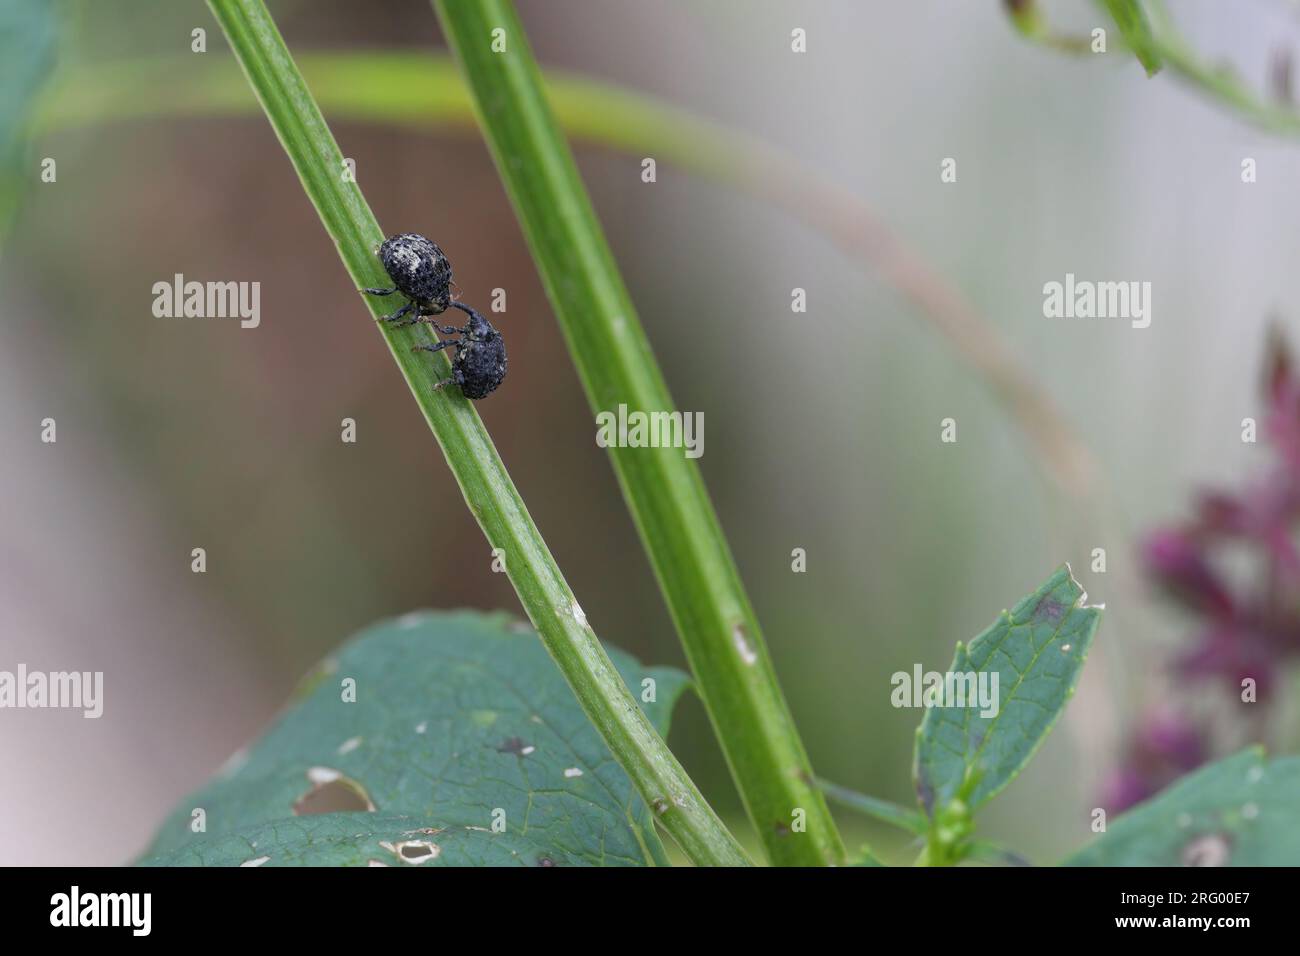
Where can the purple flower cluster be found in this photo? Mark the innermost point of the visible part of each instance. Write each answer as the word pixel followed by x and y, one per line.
pixel 1247 628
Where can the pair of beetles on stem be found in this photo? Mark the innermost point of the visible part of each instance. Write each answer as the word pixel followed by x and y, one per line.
pixel 421 272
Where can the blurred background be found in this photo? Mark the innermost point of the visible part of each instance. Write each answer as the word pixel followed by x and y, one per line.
pixel 822 428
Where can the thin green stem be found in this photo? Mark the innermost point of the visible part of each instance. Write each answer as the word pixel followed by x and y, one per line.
pixel 913 821
pixel 1217 81
pixel 663 488
pixel 488 490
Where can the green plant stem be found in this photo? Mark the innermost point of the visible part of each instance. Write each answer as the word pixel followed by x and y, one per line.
pixel 1217 81
pixel 913 821
pixel 663 488
pixel 490 494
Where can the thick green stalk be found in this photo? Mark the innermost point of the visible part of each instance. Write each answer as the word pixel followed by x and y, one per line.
pixel 662 487
pixel 488 491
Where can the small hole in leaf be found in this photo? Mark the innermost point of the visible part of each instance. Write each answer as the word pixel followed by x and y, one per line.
pixel 332 792
pixel 413 852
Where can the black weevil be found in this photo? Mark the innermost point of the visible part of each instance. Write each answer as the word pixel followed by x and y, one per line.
pixel 480 362
pixel 421 272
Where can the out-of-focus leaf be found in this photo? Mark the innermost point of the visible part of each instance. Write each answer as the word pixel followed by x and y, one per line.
pixel 1025 17
pixel 864 857
pixel 1136 30
pixel 460 721
pixel 28 38
pixel 1242 811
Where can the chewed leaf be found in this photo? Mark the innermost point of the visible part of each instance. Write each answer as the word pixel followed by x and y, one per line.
pixel 435 739
pixel 349 839
pixel 1242 811
pixel 1027 662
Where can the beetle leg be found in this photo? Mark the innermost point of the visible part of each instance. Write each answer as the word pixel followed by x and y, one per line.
pixel 438 347
pixel 444 329
pixel 398 314
pixel 381 291
pixel 456 378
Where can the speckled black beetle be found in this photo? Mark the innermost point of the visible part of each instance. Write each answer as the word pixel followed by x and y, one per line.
pixel 422 273
pixel 480 362
pixel 419 271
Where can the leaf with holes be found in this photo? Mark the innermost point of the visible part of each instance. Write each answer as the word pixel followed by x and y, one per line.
pixel 1242 811
pixel 435 739
pixel 1027 662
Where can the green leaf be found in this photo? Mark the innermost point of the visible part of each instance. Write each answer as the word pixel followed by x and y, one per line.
pixel 351 839
pixel 1036 652
pixel 1136 30
pixel 455 715
pixel 1242 811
